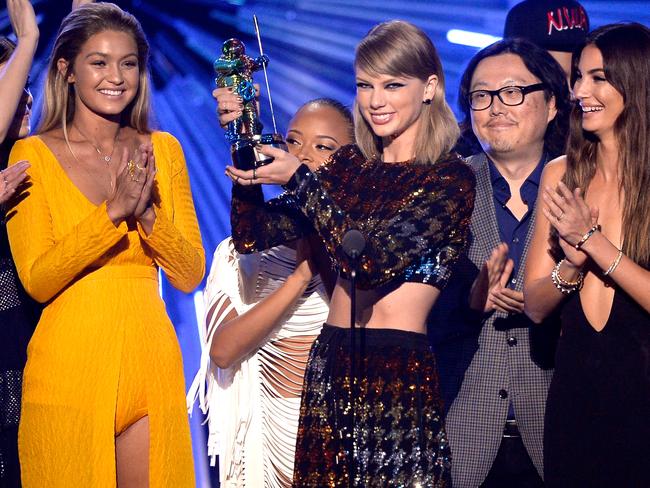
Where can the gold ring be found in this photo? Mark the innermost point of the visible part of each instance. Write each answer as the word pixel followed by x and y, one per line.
pixel 254 175
pixel 130 167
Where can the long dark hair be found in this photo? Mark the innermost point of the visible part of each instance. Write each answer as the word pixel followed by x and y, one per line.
pixel 541 64
pixel 625 48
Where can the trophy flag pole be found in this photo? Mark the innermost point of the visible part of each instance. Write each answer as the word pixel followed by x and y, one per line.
pixel 266 78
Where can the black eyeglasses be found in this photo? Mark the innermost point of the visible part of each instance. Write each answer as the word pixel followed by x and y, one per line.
pixel 509 95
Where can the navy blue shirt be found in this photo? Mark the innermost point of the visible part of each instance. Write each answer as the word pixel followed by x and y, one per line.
pixel 512 231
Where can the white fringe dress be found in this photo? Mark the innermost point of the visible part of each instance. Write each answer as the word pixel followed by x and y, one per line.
pixel 253 407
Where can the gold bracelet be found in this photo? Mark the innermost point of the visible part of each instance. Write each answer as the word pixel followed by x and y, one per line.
pixel 585 237
pixel 615 264
pixel 566 287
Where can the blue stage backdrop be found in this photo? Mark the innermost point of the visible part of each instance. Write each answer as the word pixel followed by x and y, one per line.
pixel 311 47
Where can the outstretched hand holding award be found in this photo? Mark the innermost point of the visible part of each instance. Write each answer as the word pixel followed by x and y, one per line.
pixel 235 69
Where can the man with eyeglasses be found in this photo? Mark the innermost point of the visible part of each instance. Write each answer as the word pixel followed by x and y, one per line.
pixel 495 365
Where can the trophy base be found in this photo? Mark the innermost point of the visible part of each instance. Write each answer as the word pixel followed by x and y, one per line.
pixel 245 151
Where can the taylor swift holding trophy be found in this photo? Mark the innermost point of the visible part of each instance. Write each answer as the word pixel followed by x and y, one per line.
pixel 412 200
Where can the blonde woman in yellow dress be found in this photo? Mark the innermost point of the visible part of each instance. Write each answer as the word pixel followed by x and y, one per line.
pixel 108 206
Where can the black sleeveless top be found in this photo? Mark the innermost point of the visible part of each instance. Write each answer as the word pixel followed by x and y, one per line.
pixel 597 428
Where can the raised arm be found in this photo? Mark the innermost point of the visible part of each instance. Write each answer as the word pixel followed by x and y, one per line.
pixel 78 3
pixel 435 216
pixel 175 239
pixel 258 225
pixel 13 75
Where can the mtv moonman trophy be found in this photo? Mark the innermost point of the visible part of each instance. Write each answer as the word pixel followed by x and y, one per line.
pixel 235 69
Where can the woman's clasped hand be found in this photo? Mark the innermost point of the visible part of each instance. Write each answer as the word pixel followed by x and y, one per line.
pixel 133 187
pixel 571 217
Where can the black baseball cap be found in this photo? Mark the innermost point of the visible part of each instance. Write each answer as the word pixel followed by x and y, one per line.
pixel 555 25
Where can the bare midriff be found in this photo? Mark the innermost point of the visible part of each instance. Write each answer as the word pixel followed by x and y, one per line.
pixel 405 307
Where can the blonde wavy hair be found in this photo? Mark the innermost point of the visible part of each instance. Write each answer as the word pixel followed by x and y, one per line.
pixel 58 105
pixel 399 48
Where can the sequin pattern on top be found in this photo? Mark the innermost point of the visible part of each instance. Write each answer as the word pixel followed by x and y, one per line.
pixel 398 438
pixel 415 217
pixel 258 225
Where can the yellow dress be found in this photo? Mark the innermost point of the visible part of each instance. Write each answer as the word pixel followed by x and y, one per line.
pixel 104 353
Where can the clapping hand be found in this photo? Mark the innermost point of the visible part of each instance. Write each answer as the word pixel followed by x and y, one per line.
pixel 128 185
pixel 148 162
pixel 490 291
pixel 144 211
pixel 570 215
pixel 11 178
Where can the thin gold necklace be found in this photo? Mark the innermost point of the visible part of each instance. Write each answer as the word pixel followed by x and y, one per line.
pixel 105 157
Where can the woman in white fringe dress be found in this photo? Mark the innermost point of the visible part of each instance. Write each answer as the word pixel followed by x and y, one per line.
pixel 263 311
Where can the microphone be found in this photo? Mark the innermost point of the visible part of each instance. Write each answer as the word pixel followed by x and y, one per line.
pixel 353 243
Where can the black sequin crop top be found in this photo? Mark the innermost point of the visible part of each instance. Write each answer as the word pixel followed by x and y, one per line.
pixel 415 217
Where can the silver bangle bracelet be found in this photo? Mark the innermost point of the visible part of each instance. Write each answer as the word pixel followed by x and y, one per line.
pixel 615 264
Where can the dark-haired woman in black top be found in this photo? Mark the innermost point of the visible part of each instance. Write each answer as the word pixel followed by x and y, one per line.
pixel 598 255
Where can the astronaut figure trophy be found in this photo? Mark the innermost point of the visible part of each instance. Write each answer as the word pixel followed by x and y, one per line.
pixel 235 69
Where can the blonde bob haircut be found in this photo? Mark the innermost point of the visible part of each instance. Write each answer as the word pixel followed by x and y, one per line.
pixel 58 106
pixel 399 48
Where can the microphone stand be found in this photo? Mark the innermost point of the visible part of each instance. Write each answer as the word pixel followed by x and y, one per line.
pixel 353 366
pixel 353 244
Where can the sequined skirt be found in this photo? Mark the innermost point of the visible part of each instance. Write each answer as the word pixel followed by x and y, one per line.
pixel 397 438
